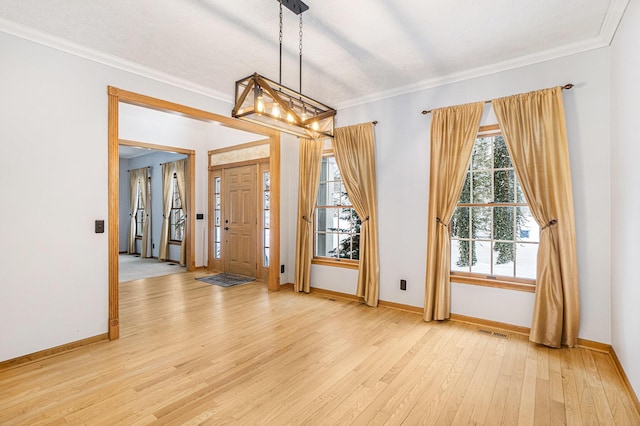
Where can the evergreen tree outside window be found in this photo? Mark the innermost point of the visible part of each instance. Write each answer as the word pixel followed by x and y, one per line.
pixel 493 234
pixel 337 225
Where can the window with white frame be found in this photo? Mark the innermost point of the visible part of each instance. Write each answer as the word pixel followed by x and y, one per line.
pixel 493 234
pixel 337 225
pixel 217 227
pixel 176 217
pixel 139 212
pixel 266 208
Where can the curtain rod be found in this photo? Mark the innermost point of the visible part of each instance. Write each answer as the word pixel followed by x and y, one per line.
pixel 175 161
pixel 565 87
pixel 148 167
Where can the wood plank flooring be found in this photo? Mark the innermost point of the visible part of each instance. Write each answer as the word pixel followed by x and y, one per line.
pixel 191 353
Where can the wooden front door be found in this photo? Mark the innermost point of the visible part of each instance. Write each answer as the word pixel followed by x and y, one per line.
pixel 240 228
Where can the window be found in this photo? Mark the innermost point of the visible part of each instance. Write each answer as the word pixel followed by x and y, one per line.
pixel 266 200
pixel 337 225
pixel 176 217
pixel 493 234
pixel 217 231
pixel 139 212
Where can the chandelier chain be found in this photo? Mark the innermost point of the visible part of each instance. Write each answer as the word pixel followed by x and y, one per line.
pixel 300 50
pixel 280 36
pixel 280 40
pixel 300 34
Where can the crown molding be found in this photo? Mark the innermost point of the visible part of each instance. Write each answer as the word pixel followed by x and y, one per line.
pixel 607 31
pixel 507 65
pixel 612 19
pixel 48 40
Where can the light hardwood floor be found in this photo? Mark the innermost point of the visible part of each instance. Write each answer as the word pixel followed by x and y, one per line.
pixel 192 353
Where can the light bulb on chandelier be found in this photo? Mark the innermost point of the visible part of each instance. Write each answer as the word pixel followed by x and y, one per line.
pixel 275 111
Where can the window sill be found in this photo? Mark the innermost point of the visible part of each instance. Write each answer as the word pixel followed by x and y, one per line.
pixel 175 243
pixel 339 263
pixel 528 286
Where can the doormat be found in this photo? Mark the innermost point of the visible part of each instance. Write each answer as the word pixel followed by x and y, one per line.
pixel 226 280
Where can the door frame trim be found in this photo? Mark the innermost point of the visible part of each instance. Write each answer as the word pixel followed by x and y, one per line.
pixel 115 96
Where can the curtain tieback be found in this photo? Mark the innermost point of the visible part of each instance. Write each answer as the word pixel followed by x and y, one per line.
pixel 305 218
pixel 438 220
pixel 365 219
pixel 552 222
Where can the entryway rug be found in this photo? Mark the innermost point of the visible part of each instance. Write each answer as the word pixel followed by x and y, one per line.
pixel 226 280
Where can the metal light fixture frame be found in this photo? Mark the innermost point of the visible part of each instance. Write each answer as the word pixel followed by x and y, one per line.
pixel 263 101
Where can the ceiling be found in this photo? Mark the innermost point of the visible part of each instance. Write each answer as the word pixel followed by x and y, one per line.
pixel 129 152
pixel 354 51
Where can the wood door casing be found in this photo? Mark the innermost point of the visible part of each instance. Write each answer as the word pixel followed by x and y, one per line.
pixel 240 220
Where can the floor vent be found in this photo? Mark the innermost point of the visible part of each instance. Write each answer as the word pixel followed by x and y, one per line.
pixel 493 333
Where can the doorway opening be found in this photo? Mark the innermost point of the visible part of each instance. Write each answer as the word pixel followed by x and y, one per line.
pixel 143 252
pixel 116 97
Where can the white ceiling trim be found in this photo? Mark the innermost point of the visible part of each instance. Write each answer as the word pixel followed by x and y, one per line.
pixel 612 19
pixel 522 61
pixel 113 61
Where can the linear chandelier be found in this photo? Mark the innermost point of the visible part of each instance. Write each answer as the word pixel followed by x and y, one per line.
pixel 263 101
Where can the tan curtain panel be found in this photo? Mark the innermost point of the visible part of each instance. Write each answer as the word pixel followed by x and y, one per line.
pixel 145 192
pixel 453 132
pixel 181 172
pixel 167 190
pixel 534 129
pixel 354 150
pixel 133 209
pixel 308 181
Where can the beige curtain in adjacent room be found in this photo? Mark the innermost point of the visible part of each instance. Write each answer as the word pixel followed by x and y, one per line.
pixel 353 147
pixel 308 181
pixel 533 125
pixel 167 190
pixel 181 172
pixel 145 192
pixel 453 132
pixel 133 209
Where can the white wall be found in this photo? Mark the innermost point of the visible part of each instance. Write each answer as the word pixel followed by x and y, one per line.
pixel 625 202
pixel 53 135
pixel 402 161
